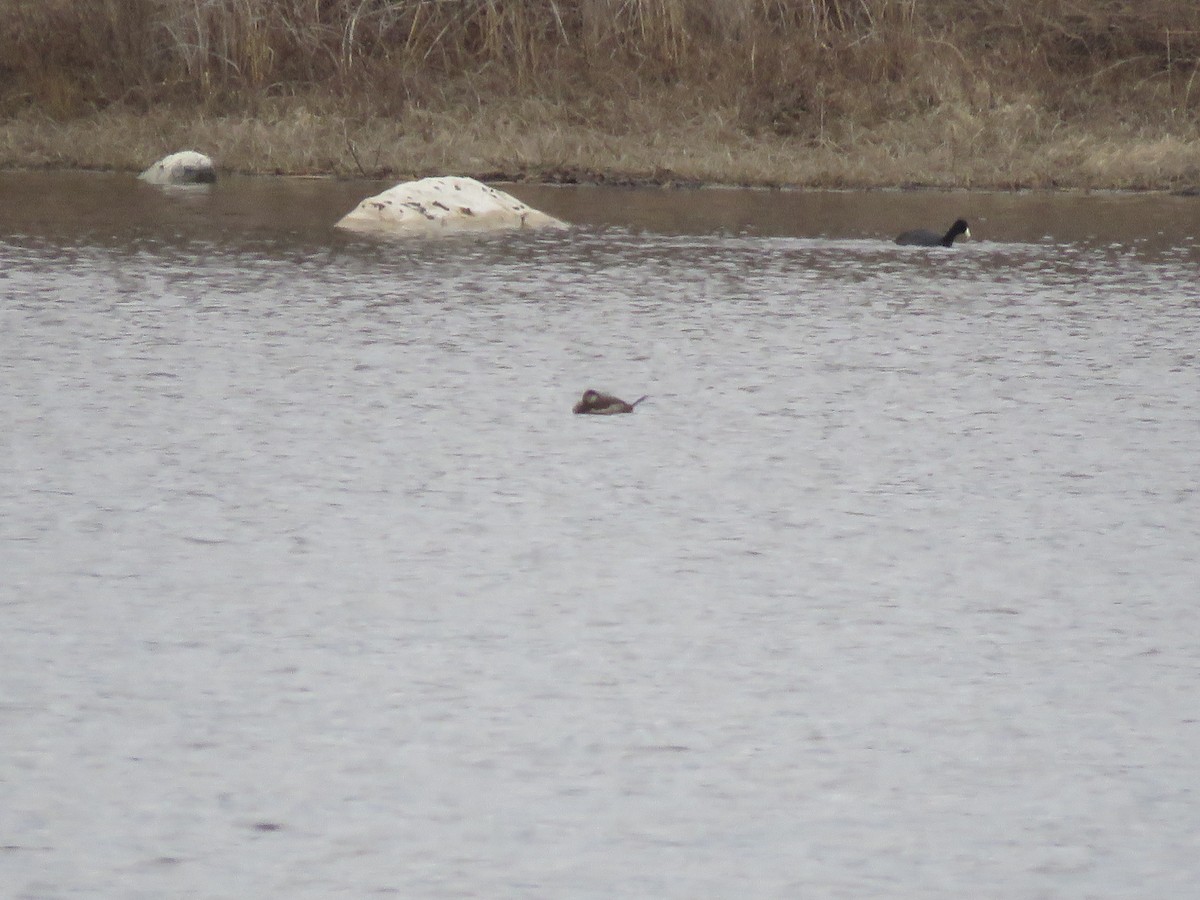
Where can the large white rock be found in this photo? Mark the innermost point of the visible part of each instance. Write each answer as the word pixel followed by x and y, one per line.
pixel 185 167
pixel 442 205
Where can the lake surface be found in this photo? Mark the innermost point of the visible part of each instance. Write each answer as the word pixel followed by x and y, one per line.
pixel 312 585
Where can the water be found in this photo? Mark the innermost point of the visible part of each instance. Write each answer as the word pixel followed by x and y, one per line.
pixel 314 587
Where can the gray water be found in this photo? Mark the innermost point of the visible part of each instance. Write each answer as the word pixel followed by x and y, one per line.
pixel 312 585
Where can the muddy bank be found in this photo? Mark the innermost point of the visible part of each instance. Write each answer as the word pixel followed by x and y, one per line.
pixel 525 141
pixel 877 93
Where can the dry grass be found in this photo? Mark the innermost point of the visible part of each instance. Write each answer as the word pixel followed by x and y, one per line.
pixel 986 93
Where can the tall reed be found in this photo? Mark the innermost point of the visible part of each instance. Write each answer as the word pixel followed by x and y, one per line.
pixel 789 64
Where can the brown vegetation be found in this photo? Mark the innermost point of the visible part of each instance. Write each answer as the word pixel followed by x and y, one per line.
pixel 996 93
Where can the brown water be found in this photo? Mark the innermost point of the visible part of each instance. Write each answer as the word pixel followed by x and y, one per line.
pixel 313 586
pixel 69 206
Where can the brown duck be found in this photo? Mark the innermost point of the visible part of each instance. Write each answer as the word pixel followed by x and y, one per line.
pixel 598 404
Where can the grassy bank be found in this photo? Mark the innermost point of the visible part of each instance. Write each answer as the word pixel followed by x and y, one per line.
pixel 974 93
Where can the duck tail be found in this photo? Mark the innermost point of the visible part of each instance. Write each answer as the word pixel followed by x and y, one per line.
pixel 638 400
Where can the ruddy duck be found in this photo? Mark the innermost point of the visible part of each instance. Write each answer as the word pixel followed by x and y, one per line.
pixel 598 404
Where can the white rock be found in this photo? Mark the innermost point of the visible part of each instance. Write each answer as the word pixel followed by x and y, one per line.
pixel 443 205
pixel 186 167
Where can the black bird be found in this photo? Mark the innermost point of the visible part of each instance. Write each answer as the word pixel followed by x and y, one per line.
pixel 598 404
pixel 921 237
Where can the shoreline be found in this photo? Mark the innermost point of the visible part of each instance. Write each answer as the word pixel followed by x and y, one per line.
pixel 515 144
pixel 620 181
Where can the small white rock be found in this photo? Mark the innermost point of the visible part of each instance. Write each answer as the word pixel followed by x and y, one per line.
pixel 444 204
pixel 186 167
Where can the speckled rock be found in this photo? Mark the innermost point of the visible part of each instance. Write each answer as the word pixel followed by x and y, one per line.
pixel 445 204
pixel 185 167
